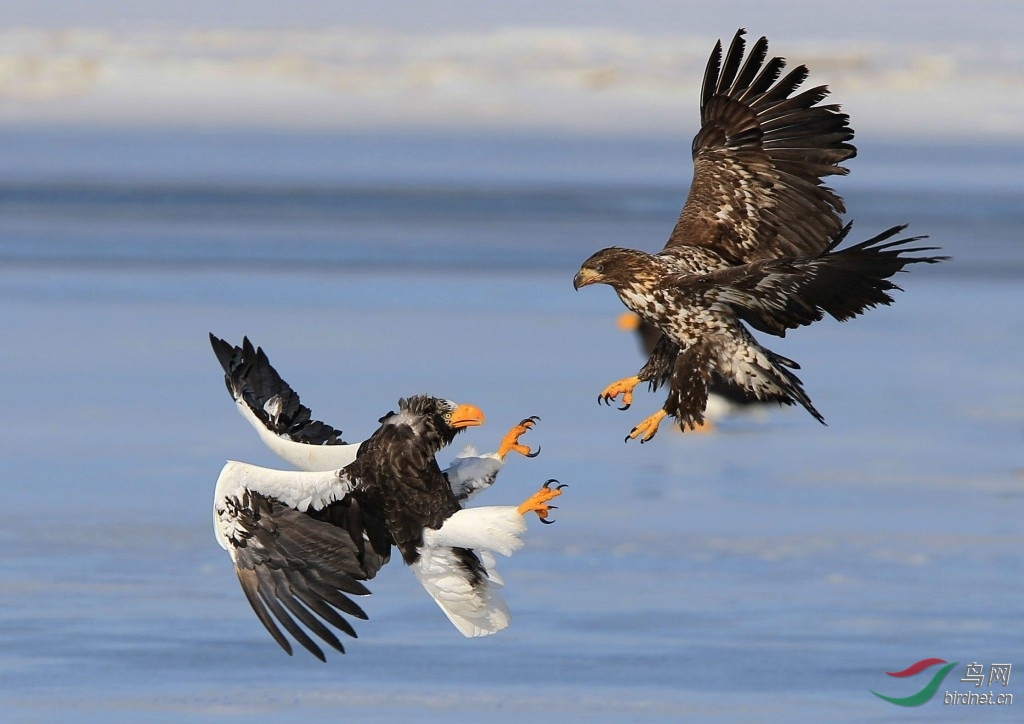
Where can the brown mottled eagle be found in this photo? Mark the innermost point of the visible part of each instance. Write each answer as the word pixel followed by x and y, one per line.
pixel 755 243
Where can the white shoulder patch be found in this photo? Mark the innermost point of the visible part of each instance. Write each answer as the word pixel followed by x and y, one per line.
pixel 300 490
pixel 470 473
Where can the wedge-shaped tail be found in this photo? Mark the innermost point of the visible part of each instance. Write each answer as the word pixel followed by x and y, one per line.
pixel 456 566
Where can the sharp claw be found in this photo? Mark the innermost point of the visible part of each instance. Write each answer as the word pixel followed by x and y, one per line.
pixel 563 485
pixel 546 522
pixel 626 406
pixel 534 454
pixel 547 483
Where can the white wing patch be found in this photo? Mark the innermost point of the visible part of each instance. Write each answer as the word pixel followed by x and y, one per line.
pixel 470 602
pixel 300 490
pixel 470 472
pixel 302 455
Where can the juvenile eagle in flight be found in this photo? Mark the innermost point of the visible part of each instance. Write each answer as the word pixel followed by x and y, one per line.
pixel 756 243
pixel 302 542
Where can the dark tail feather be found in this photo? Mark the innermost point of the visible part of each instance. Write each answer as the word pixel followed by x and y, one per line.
pixel 847 282
pixel 789 293
pixel 789 384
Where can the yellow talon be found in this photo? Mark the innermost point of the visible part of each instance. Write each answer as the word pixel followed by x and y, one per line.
pixel 511 439
pixel 622 387
pixel 537 502
pixel 647 428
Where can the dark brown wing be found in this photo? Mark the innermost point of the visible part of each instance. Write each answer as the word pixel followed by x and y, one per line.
pixel 294 567
pixel 759 159
pixel 251 379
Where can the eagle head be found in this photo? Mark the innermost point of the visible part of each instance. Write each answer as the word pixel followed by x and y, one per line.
pixel 615 266
pixel 437 420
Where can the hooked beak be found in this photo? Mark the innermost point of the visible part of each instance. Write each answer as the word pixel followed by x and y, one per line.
pixel 584 277
pixel 466 416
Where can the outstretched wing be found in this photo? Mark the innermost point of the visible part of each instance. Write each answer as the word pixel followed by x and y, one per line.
pixel 253 381
pixel 300 549
pixel 780 294
pixel 286 426
pixel 273 408
pixel 759 159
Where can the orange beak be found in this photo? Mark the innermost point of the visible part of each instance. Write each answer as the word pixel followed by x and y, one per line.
pixel 466 416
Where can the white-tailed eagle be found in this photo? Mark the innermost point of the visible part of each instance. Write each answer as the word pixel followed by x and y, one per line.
pixel 756 243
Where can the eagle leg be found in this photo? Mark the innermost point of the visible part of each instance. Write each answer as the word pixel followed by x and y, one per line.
pixel 704 426
pixel 537 502
pixel 647 428
pixel 511 439
pixel 622 387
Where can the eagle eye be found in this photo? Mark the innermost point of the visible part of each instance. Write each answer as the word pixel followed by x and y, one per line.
pixel 599 268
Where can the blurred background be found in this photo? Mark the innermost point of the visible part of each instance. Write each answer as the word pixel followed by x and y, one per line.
pixel 393 199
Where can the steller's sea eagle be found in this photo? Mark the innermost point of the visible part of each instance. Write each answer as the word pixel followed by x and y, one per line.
pixel 303 542
pixel 756 243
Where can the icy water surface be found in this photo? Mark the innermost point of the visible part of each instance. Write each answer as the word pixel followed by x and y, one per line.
pixel 771 571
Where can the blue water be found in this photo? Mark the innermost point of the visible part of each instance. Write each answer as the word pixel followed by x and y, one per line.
pixel 770 571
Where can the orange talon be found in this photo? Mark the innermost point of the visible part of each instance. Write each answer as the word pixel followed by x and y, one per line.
pixel 622 387
pixel 511 439
pixel 537 502
pixel 647 428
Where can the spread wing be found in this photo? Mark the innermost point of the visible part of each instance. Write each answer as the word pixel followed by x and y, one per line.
pixel 759 159
pixel 300 543
pixel 288 429
pixel 252 381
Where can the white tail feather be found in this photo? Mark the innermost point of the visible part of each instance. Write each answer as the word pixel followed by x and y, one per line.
pixel 473 605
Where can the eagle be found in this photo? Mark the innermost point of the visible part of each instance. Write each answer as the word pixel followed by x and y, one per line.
pixel 756 243
pixel 303 541
pixel 288 429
